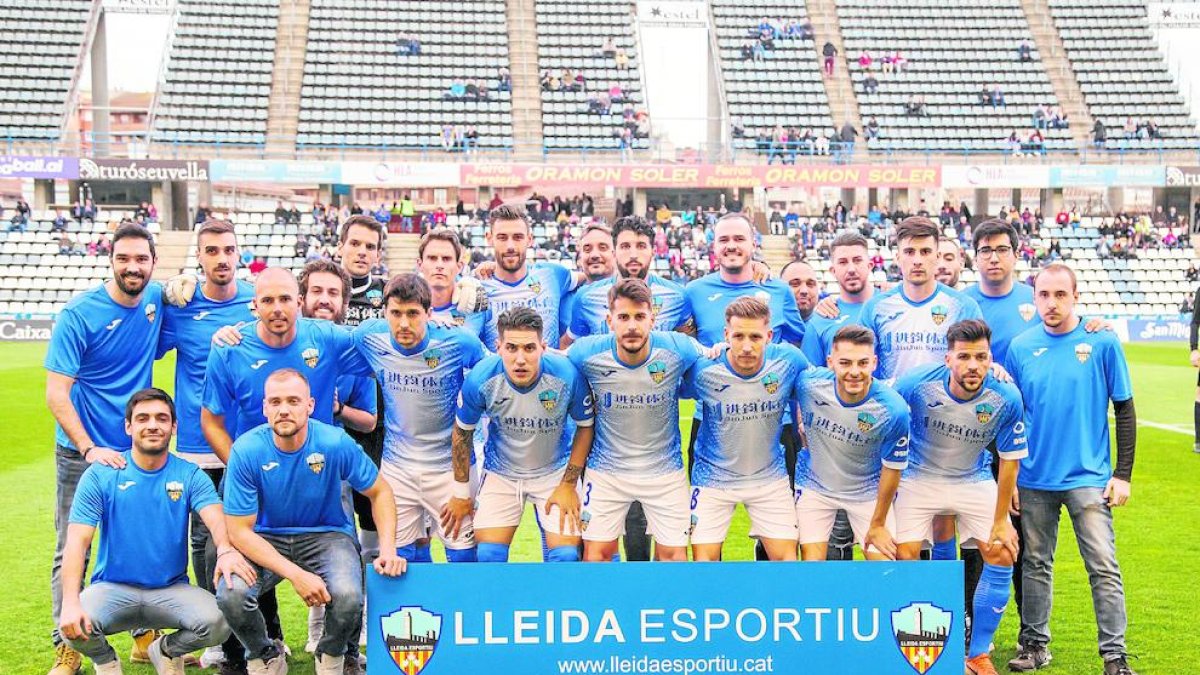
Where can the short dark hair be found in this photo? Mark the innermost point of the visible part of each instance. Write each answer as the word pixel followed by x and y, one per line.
pixel 855 335
pixel 795 262
pixel 148 394
pixel 848 239
pixel 368 222
pixel 915 227
pixel 748 307
pixel 132 231
pixel 441 234
pixel 508 212
pixel 520 318
pixel 968 330
pixel 596 226
pixel 634 224
pixel 992 227
pixel 214 226
pixel 632 289
pixel 408 287
pixel 328 266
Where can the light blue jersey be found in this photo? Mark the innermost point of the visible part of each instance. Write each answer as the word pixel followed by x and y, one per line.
pixel 708 297
pixel 910 334
pixel 420 387
pixel 109 351
pixel 589 312
pixel 637 407
pixel 542 290
pixel 819 331
pixel 1008 315
pixel 530 429
pixel 450 316
pixel 949 438
pixel 737 444
pixel 189 331
pixel 849 444
pixel 1067 382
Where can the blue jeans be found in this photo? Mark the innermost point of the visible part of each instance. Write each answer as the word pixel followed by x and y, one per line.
pixel 1092 521
pixel 334 557
pixel 69 466
pixel 114 608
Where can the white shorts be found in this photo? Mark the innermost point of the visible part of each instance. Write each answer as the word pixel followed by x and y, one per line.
pixel 420 498
pixel 816 512
pixel 771 507
pixel 918 501
pixel 501 502
pixel 606 500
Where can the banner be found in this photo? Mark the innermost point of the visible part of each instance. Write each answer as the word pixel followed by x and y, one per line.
pixel 996 176
pixel 1108 175
pixel 400 174
pixel 1158 330
pixel 13 166
pixel 538 619
pixel 1183 176
pixel 138 6
pixel 717 176
pixel 143 169
pixel 1173 14
pixel 273 171
pixel 25 330
pixel 672 14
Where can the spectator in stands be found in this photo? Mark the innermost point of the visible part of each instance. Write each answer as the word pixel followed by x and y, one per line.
pixel 615 94
pixel 103 244
pixel 1099 134
pixel 662 216
pixel 458 89
pixel 1152 130
pixel 152 212
pixel 1193 273
pixel 829 52
pixel 997 96
pixel 257 266
pixel 407 211
pixel 885 63
pixel 450 137
pixel 766 40
pixel 737 129
pixel 23 209
pixel 865 61
pixel 1040 114
pixel 870 84
pixel 899 63
pixel 1130 128
pixel 806 30
pixel 294 215
pixel 622 60
pixel 470 140
pixel 625 143
pixel 609 48
pixel 66 246
pixel 60 222
pixel 89 210
pixel 407 45
pixel 503 80
pixel 821 143
pixel 1025 51
pixel 301 247
pixel 1037 142
pixel 141 212
pixel 779 144
pixel 915 107
pixel 846 137
pixel 1103 247
pixel 17 223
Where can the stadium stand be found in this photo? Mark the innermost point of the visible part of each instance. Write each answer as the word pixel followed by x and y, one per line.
pixel 36 76
pixel 1122 73
pixel 571 37
pixel 361 90
pixel 948 64
pixel 218 77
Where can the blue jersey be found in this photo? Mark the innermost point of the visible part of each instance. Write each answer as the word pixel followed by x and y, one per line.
pixel 235 377
pixel 637 407
pixel 819 331
pixel 708 297
pixel 143 519
pixel 109 350
pixel 1067 382
pixel 189 331
pixel 296 492
pixel 849 444
pixel 1008 315
pixel 542 290
pixel 910 334
pixel 357 391
pixel 589 313
pixel 949 438
pixel 420 386
pixel 737 444
pixel 450 316
pixel 529 430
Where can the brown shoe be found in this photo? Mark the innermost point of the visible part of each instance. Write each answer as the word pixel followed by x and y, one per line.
pixel 67 661
pixel 981 665
pixel 141 645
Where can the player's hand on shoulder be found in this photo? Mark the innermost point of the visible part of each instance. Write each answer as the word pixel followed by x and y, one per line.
pixel 454 513
pixel 714 352
pixel 1000 373
pixel 760 270
pixel 228 336
pixel 179 290
pixel 880 539
pixel 1095 325
pixel 470 296
pixel 1117 492
pixel 311 588
pixel 828 307
pixel 389 564
pixel 231 562
pixel 566 498
pixel 105 456
pixel 485 269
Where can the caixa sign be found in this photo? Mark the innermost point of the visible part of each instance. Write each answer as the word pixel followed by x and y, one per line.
pixel 25 330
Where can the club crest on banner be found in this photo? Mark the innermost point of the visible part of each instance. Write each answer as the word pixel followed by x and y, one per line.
pixel 921 630
pixel 411 635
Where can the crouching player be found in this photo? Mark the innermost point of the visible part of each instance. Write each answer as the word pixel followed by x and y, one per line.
pixel 533 452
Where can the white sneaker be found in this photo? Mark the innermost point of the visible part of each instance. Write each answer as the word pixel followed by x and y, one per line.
pixel 283 648
pixel 362 631
pixel 212 657
pixel 330 665
pixel 275 666
pixel 316 627
pixel 111 668
pixel 163 664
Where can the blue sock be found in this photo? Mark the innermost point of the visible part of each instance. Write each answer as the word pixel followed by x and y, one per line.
pixel 466 555
pixel 422 554
pixel 991 597
pixel 492 552
pixel 408 552
pixel 563 554
pixel 617 556
pixel 945 550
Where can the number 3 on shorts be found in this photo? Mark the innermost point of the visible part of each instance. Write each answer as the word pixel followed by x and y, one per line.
pixel 587 493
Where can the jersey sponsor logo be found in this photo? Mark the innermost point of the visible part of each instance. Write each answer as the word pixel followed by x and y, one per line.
pixel 257 364
pixel 721 387
pixel 316 462
pixel 535 286
pixel 658 371
pixel 1039 351
pixel 549 399
pixel 983 412
pixel 921 630
pixel 113 325
pixel 375 297
pixel 270 465
pixel 411 635
pixel 819 403
pixel 311 356
pixel 174 490
pixel 499 402
pixel 891 317
pixel 866 421
pixel 713 297
pixel 200 315
pixel 432 357
pixel 1083 352
pixel 151 312
pixel 771 383
pixel 126 485
pixel 934 404
pixel 1019 428
pixel 1026 311
pixel 939 313
pixel 609 372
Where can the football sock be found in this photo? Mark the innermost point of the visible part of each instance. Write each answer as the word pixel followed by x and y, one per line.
pixel 563 554
pixel 467 555
pixel 491 552
pixel 423 554
pixel 991 597
pixel 408 552
pixel 946 550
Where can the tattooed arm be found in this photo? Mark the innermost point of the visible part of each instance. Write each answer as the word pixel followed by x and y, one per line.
pixel 461 505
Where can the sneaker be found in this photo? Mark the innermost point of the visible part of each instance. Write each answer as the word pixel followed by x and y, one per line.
pixel 1118 666
pixel 274 666
pixel 212 657
pixel 283 648
pixel 1196 448
pixel 981 665
pixel 163 664
pixel 353 665
pixel 330 665
pixel 230 668
pixel 139 653
pixel 316 627
pixel 111 668
pixel 1030 657
pixel 67 661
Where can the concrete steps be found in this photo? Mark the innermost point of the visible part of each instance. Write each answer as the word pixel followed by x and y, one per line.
pixel 1058 67
pixel 172 247
pixel 283 105
pixel 528 135
pixel 843 104
pixel 402 253
pixel 776 251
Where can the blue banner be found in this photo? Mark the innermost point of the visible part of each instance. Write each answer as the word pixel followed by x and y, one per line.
pixel 1100 175
pixel 1161 330
pixel 274 171
pixel 731 617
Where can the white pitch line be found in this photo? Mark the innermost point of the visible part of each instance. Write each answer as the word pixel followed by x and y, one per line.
pixel 1166 427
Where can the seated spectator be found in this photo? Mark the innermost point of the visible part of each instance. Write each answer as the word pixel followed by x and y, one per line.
pixel 450 137
pixel 103 244
pixel 1152 130
pixel 748 51
pixel 504 80
pixel 822 142
pixel 257 266
pixel 885 63
pixel 301 247
pixel 737 129
pixel 1037 142
pixel 1040 115
pixel 870 84
pixel 1130 128
pixel 408 45
pixel 876 261
pixel 1025 51
pixel 872 129
pixel 471 90
pixel 294 215
pixel 151 212
pixel 865 60
pixel 997 97
pixel 622 59
pixel 766 39
pixel 615 94
pixel 1193 273
pixel 89 210
pixel 550 81
pixel 66 245
pixel 470 139
pixel 1058 118
pixel 60 222
pixel 899 63
pixel 915 107
pixel 1170 239
pixel 18 223
pixel 458 89
pixel 625 142
pixel 609 48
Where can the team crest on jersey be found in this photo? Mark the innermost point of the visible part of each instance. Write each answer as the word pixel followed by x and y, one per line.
pixel 151 312
pixel 983 412
pixel 1026 311
pixel 866 421
pixel 549 399
pixel 457 317
pixel 656 305
pixel 939 313
pixel 658 371
pixel 692 524
pixel 921 630
pixel 771 383
pixel 411 636
pixel 174 490
pixel 535 286
pixel 375 297
pixel 1083 352
pixel 316 462
pixel 311 356
pixel 584 518
pixel 432 357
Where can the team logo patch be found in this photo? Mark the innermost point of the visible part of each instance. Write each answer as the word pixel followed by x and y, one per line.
pixel 865 421
pixel 174 490
pixel 151 312
pixel 921 630
pixel 692 524
pixel 311 356
pixel 535 286
pixel 658 371
pixel 375 297
pixel 1026 311
pixel 771 383
pixel 432 357
pixel 983 412
pixel 1083 352
pixel 316 462
pixel 549 399
pixel 939 313
pixel 584 518
pixel 411 636
pixel 656 305
pixel 457 317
